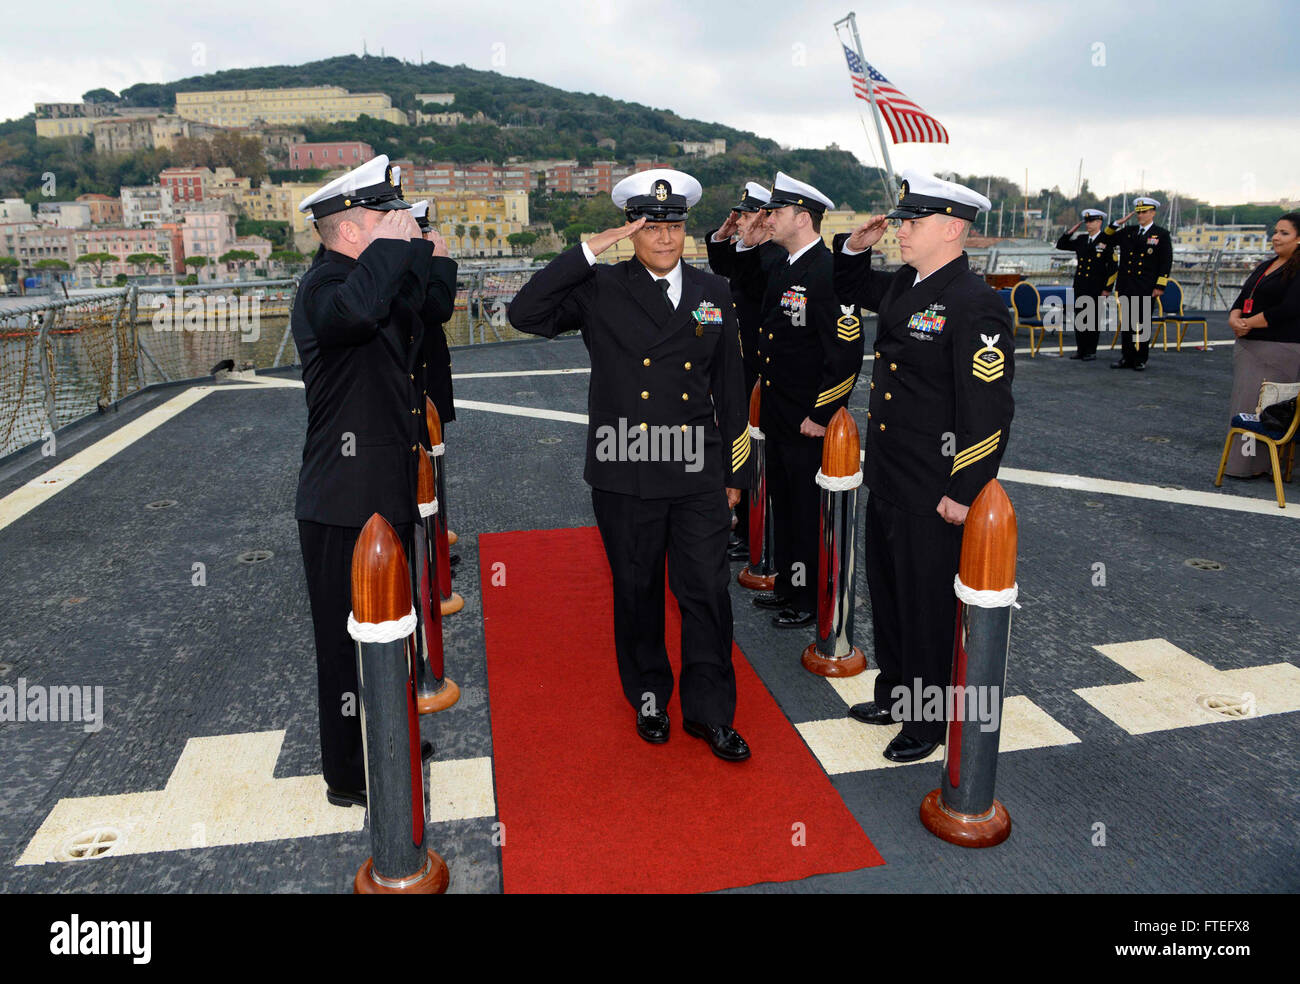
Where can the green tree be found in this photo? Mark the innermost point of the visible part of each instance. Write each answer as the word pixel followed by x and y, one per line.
pixel 99 96
pixel 491 234
pixel 474 234
pixel 146 260
pixel 96 261
pixel 237 256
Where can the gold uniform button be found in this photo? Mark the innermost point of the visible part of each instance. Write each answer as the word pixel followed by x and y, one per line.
pixel 412 375
pixel 685 396
pixel 882 426
pixel 645 362
pixel 770 335
pixel 688 365
pixel 873 385
pixel 645 394
pixel 767 359
pixel 414 446
pixel 643 425
pixel 893 367
pixel 683 427
pixel 767 382
pixel 868 414
pixel 889 396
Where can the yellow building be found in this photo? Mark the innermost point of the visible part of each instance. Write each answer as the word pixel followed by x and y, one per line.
pixel 833 223
pixel 68 126
pixel 279 203
pixel 503 213
pixel 284 107
pixel 1205 236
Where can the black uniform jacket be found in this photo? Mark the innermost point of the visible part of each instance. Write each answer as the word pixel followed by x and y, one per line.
pixel 809 346
pixel 940 406
pixel 748 283
pixel 654 371
pixel 436 308
pixel 1096 268
pixel 357 329
pixel 1144 260
pixel 1277 298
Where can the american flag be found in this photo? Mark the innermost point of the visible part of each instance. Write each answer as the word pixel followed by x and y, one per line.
pixel 907 122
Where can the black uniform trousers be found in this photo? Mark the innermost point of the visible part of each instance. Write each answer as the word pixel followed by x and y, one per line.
pixel 327 559
pixel 796 517
pixel 742 507
pixel 692 530
pixel 911 561
pixel 1136 312
pixel 1087 321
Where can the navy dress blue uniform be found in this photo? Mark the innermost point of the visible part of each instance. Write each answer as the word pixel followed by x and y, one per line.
pixel 666 375
pixel 937 425
pixel 1094 273
pixel 810 350
pixel 357 331
pixel 1146 256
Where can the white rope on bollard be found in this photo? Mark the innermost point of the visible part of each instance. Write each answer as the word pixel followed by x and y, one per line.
pixel 382 631
pixel 756 434
pixel 837 484
pixel 437 449
pixel 985 599
pixel 427 509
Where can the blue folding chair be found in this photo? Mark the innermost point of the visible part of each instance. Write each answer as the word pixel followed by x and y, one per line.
pixel 1171 312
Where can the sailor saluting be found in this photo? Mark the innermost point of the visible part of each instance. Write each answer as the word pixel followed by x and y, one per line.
pixel 665 374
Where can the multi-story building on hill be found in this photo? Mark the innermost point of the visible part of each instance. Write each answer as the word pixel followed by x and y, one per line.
pixel 285 107
pixel 328 156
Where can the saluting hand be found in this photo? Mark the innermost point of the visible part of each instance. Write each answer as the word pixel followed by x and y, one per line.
pixel 439 244
pixel 1075 228
pixel 729 227
pixel 394 225
pixel 868 234
pixel 602 241
pixel 1127 217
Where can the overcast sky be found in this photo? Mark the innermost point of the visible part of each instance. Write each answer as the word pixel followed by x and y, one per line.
pixel 1199 94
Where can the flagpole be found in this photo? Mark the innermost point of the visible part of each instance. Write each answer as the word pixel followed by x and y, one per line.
pixel 852 21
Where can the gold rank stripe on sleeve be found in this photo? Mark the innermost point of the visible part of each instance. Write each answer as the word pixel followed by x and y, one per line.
pixel 740 450
pixel 977 451
pixel 835 392
pixel 1162 281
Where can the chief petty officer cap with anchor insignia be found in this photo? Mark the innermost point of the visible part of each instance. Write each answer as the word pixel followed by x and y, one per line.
pixel 923 194
pixel 658 195
pixel 375 185
pixel 1144 204
pixel 420 212
pixel 752 198
pixel 787 191
pixel 1093 213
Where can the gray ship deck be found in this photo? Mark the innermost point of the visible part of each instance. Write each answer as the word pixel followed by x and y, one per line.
pixel 99 593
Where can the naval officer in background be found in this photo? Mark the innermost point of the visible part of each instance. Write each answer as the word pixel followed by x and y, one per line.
pixel 665 371
pixel 1146 256
pixel 1093 276
pixel 937 425
pixel 356 323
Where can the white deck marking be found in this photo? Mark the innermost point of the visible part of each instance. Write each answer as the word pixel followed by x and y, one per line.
pixel 517 372
pixel 845 745
pixel 572 418
pixel 1172 679
pixel 223 791
pixel 63 473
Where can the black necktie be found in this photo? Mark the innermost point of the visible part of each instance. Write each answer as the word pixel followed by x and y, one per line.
pixel 663 286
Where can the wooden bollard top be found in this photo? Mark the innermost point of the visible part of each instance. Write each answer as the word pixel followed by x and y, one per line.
pixel 755 398
pixel 841 451
pixel 988 545
pixel 433 422
pixel 381 581
pixel 425 489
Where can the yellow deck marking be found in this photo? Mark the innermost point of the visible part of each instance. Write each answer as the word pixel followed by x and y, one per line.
pixel 1172 679
pixel 223 791
pixel 845 745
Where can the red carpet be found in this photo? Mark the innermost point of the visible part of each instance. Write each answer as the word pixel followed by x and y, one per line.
pixel 587 806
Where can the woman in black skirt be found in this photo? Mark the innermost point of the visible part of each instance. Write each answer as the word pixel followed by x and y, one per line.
pixel 1266 320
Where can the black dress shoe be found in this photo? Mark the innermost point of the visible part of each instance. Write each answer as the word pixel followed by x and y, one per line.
pixel 453 560
pixel 1088 358
pixel 652 727
pixel 769 599
pixel 738 551
pixel 1076 357
pixel 871 713
pixel 346 797
pixel 905 748
pixel 790 618
pixel 1121 364
pixel 426 751
pixel 725 742
pixel 1139 366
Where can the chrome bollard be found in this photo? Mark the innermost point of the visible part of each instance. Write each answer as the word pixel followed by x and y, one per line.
pixel 381 622
pixel 833 654
pixel 963 810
